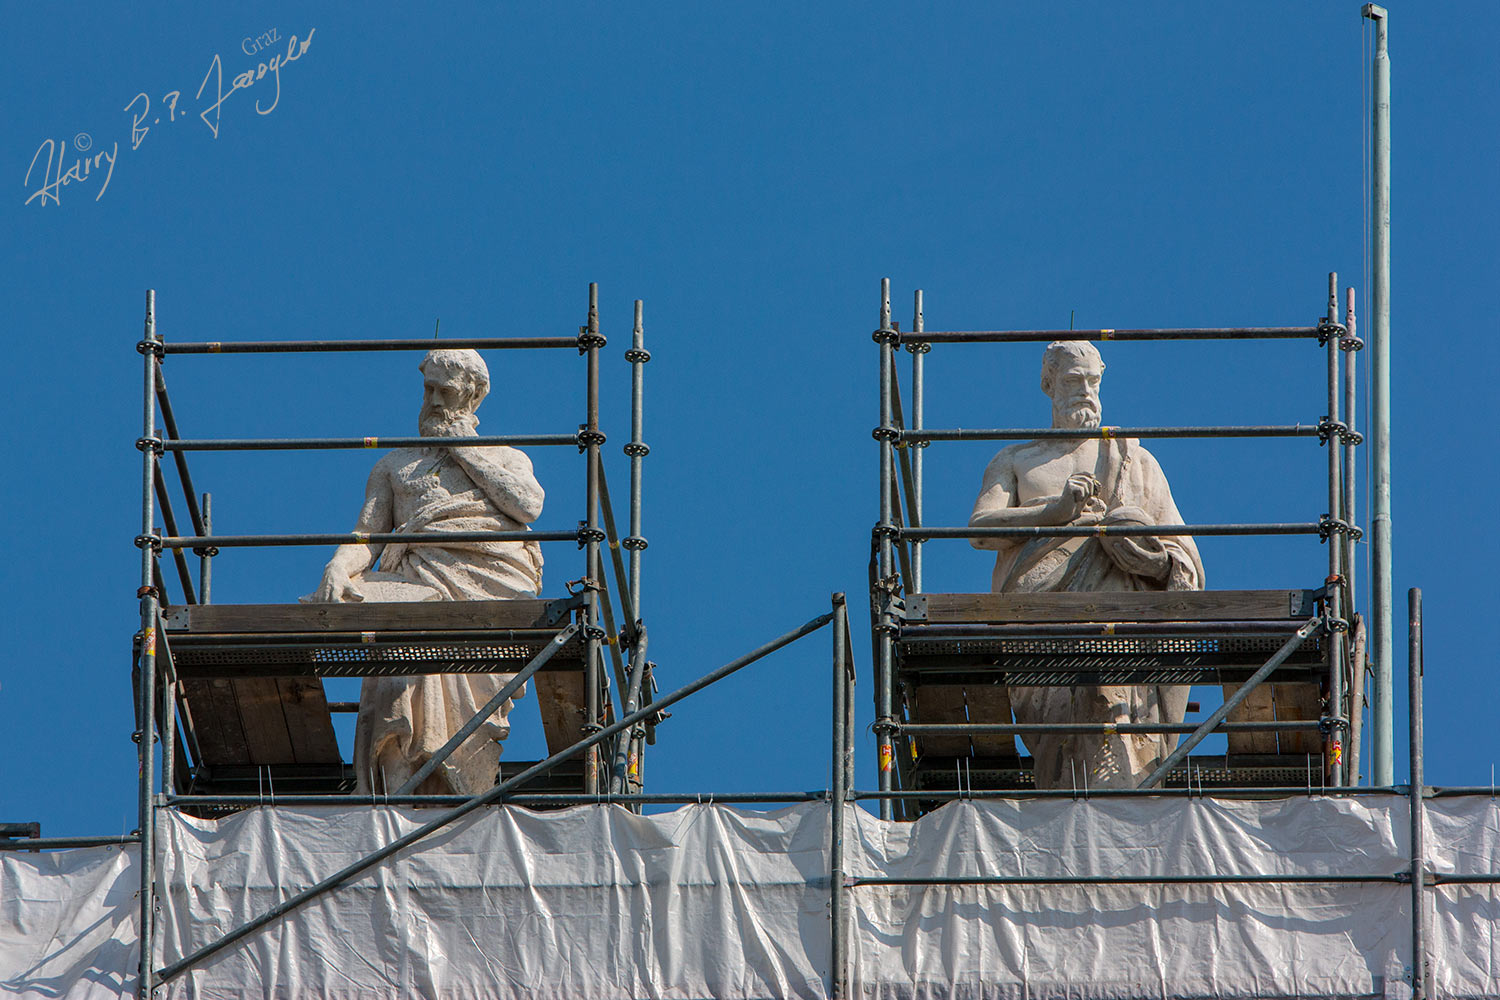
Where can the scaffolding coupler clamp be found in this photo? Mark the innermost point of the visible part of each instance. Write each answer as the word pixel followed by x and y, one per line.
pixel 586 437
pixel 206 551
pixel 634 543
pixel 920 348
pixel 1328 329
pixel 885 531
pixel 587 535
pixel 637 449
pixel 154 443
pixel 588 339
pixel 147 591
pixel 637 355
pixel 886 433
pixel 1329 725
pixel 141 541
pixel 152 345
pixel 580 585
pixel 886 335
pixel 1328 525
pixel 1351 342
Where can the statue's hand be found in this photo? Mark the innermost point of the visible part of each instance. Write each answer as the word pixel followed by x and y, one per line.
pixel 1093 512
pixel 338 588
pixel 1080 488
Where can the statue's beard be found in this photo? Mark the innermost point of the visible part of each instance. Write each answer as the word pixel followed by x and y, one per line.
pixel 440 421
pixel 1082 415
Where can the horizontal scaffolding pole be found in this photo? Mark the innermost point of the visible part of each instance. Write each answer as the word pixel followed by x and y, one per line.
pixel 1123 880
pixel 1087 531
pixel 1207 792
pixel 1109 433
pixel 1096 728
pixel 360 538
pixel 324 346
pixel 917 630
pixel 334 444
pixel 457 637
pixel 520 799
pixel 58 843
pixel 1033 336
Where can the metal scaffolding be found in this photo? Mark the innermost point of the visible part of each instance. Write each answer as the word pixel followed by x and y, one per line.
pixel 938 642
pixel 198 643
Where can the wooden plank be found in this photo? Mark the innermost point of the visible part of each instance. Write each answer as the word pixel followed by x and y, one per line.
pixel 1300 702
pixel 1105 606
pixel 1259 706
pixel 366 617
pixel 309 723
pixel 216 721
pixel 991 703
pixel 940 703
pixel 259 700
pixel 564 706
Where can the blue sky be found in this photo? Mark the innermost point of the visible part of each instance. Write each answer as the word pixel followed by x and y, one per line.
pixel 751 172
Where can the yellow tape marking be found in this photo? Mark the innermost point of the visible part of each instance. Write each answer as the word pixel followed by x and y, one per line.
pixel 1108 433
pixel 372 442
pixel 1110 730
pixel 367 637
pixel 1106 334
pixel 1099 530
pixel 151 639
pixel 886 757
pixel 361 536
pixel 213 347
pixel 1109 629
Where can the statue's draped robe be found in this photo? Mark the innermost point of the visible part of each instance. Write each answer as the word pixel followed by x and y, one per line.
pixel 1135 492
pixel 403 721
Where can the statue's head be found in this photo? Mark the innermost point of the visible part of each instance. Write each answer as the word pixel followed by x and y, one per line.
pixel 1071 370
pixel 454 382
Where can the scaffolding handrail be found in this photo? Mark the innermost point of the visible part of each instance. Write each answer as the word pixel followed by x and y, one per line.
pixel 1097 530
pixel 1185 333
pixel 1109 433
pixel 331 346
pixel 368 538
pixel 358 443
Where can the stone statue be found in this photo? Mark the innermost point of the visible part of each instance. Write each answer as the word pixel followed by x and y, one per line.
pixel 1086 482
pixel 403 720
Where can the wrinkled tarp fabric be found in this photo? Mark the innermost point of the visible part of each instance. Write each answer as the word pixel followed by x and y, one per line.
pixel 717 901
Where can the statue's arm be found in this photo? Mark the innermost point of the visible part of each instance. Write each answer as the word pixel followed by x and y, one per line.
pixel 997 507
pixel 377 515
pixel 505 476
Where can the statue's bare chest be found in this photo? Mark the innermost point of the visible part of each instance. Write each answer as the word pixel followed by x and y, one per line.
pixel 1042 471
pixel 426 479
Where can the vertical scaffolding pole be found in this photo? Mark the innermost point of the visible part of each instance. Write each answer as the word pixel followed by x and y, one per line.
pixel 1421 988
pixel 590 341
pixel 1333 738
pixel 918 352
pixel 838 971
pixel 1356 696
pixel 150 348
pixel 1383 714
pixel 207 553
pixel 627 762
pixel 885 625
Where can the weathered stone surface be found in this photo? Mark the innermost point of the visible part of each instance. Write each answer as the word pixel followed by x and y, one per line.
pixel 403 720
pixel 1086 482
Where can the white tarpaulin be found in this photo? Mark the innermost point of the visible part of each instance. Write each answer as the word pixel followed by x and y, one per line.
pixel 715 901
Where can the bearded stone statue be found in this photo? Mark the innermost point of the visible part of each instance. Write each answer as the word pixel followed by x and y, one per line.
pixel 1058 481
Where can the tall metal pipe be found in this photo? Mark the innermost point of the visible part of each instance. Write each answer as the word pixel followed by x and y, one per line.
pixel 635 543
pixel 918 393
pixel 1356 693
pixel 1418 810
pixel 1333 738
pixel 838 893
pixel 206 553
pixel 885 623
pixel 1383 713
pixel 149 347
pixel 590 342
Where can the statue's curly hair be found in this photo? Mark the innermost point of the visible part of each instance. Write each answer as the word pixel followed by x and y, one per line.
pixel 467 364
